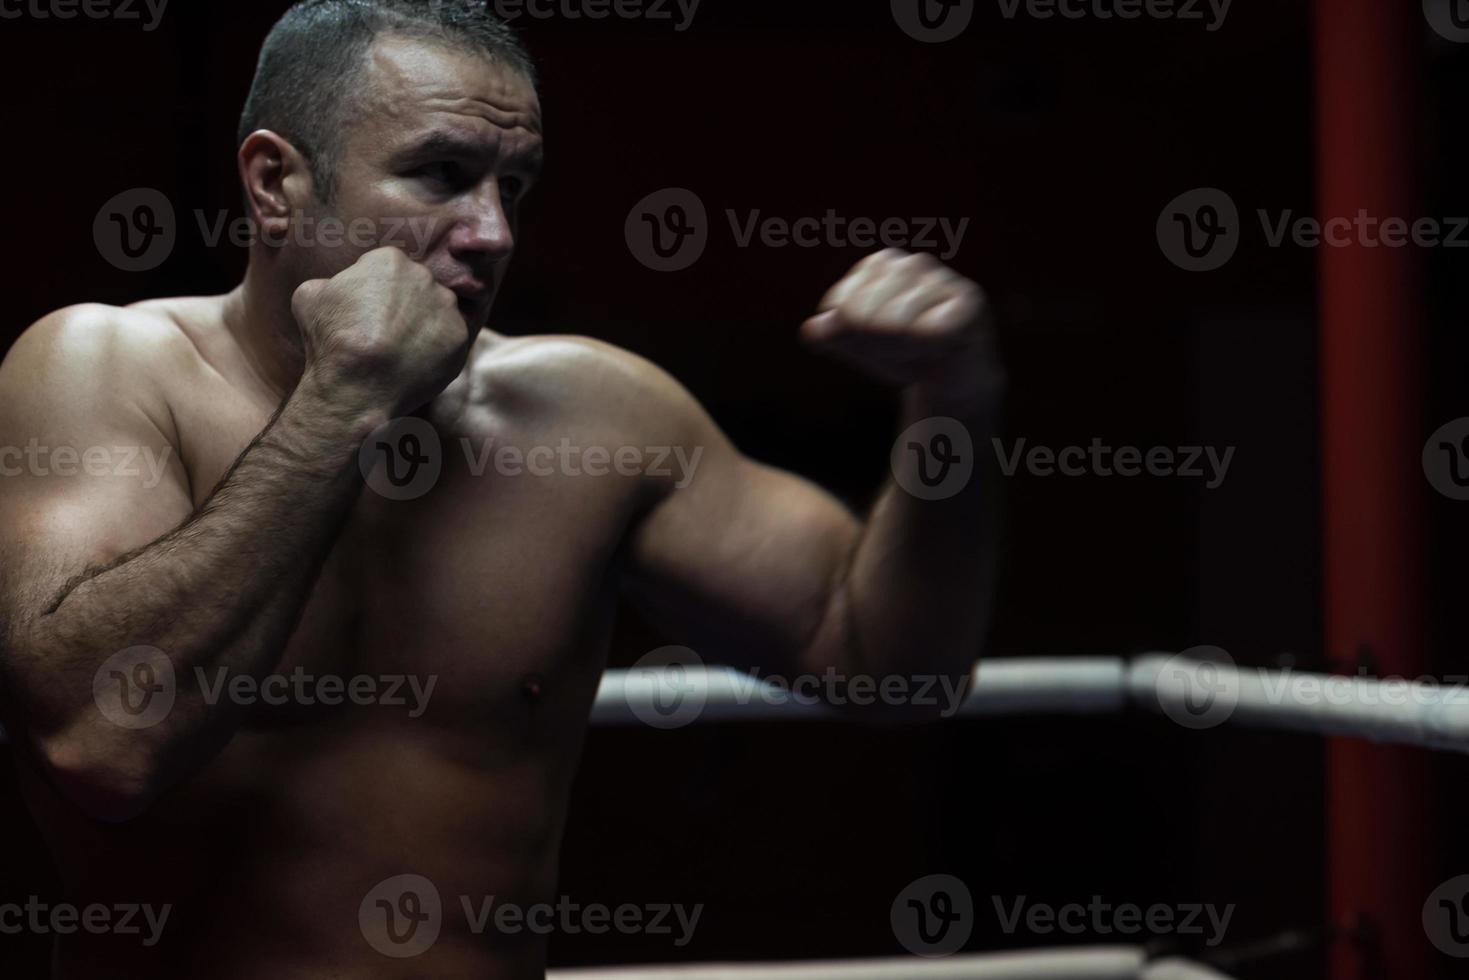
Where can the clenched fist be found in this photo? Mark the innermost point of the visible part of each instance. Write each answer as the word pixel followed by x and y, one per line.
pixel 907 319
pixel 383 332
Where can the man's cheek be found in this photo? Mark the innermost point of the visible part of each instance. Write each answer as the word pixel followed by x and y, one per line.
pixel 363 235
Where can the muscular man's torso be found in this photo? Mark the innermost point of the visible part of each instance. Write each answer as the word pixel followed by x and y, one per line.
pixel 497 589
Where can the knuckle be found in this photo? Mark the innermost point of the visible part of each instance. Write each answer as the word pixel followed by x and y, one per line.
pixel 914 263
pixel 307 292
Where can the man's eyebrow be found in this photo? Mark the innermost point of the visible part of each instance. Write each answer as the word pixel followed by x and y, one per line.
pixel 441 143
pixel 450 144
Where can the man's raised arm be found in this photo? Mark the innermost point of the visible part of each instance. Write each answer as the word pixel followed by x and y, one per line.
pixel 757 567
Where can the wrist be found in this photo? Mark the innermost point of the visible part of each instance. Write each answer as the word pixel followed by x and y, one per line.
pixel 969 385
pixel 353 413
pixel 975 403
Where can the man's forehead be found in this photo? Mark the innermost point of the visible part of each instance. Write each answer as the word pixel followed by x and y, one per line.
pixel 410 80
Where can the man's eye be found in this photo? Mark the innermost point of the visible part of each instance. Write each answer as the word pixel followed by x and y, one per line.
pixel 447 174
pixel 511 188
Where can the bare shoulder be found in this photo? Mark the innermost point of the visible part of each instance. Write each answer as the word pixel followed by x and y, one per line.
pixel 100 337
pixel 585 378
pixel 92 357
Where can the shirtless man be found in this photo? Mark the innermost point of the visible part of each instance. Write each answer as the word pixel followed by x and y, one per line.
pixel 260 553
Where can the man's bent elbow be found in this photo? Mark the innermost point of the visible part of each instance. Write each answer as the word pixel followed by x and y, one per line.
pixel 100 775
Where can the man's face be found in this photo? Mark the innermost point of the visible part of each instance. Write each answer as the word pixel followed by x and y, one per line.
pixel 446 146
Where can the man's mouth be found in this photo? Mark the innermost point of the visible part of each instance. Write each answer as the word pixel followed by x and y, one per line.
pixel 474 298
pixel 469 289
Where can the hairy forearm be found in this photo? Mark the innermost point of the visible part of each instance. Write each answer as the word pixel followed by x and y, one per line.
pixel 222 591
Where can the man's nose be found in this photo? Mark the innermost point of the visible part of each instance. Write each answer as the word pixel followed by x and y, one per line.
pixel 484 228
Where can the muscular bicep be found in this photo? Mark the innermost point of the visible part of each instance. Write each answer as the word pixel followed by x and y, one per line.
pixel 87 473
pixel 740 562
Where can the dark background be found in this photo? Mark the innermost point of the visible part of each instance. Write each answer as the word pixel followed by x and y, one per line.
pixel 1061 141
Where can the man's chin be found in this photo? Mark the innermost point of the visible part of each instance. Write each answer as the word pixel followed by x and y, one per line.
pixel 476 314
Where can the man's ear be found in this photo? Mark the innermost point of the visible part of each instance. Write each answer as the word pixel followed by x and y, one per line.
pixel 278 183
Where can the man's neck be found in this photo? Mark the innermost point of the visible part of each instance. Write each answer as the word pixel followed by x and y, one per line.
pixel 265 328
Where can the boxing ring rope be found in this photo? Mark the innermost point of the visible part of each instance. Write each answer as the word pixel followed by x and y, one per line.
pixel 1415 713
pixel 1086 963
pixel 1196 693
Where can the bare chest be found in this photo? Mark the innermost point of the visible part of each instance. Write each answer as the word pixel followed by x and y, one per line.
pixel 466 584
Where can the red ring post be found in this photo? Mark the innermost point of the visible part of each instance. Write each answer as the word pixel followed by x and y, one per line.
pixel 1378 833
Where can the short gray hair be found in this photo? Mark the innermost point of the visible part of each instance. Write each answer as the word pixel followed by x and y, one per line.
pixel 307 80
